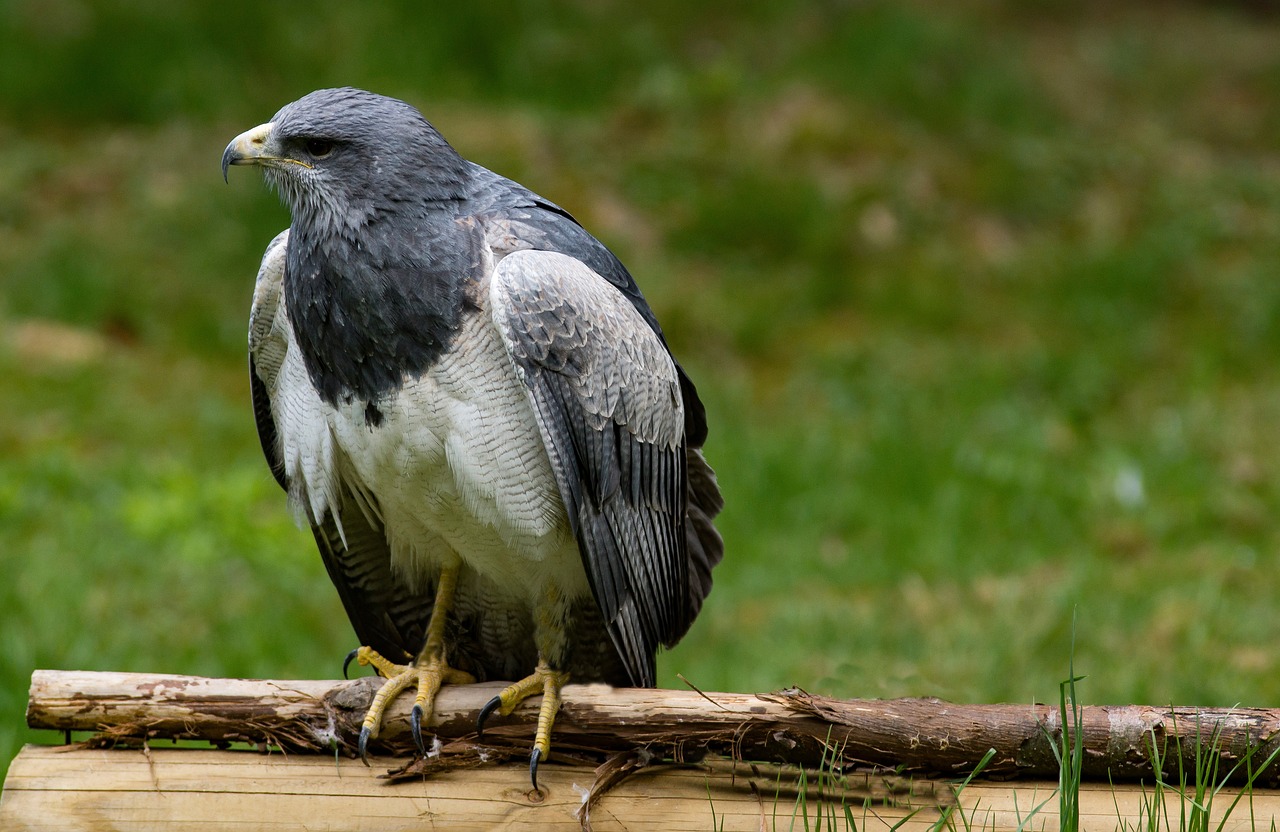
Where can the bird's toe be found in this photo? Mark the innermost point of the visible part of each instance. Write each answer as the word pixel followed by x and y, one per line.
pixel 485 712
pixel 365 732
pixel 535 757
pixel 415 722
pixel 346 663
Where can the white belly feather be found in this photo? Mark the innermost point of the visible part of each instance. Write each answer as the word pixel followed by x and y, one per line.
pixel 456 470
pixel 458 460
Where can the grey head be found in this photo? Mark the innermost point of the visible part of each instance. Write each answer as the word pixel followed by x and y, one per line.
pixel 339 156
pixel 377 264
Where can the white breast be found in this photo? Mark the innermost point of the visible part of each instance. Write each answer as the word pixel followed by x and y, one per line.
pixel 457 470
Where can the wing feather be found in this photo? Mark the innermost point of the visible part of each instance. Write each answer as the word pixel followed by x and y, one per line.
pixel 607 396
pixel 384 614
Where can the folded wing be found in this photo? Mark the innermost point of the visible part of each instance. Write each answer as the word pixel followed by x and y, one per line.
pixel 607 396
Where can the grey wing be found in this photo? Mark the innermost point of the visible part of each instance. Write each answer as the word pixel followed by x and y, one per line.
pixel 608 402
pixel 267 350
pixel 384 613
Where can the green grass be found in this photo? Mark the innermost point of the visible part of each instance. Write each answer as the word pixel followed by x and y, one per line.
pixel 1068 749
pixel 982 301
pixel 1187 795
pixel 1198 789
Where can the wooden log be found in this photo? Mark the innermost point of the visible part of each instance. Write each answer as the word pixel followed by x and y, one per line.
pixel 186 790
pixel 925 736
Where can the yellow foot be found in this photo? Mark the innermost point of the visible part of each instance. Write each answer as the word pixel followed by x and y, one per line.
pixel 430 673
pixel 545 681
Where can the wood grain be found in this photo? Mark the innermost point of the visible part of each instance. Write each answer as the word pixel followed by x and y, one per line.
pixel 186 790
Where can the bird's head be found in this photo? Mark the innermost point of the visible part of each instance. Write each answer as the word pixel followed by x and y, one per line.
pixel 338 156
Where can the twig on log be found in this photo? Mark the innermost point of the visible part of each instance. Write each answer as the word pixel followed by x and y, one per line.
pixel 921 736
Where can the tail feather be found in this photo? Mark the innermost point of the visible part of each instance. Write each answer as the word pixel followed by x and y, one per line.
pixel 704 545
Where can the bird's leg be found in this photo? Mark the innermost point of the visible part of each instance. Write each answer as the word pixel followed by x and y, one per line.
pixel 430 670
pixel 433 666
pixel 550 636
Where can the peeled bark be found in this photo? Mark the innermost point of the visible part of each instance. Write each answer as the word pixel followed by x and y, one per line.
pixel 596 722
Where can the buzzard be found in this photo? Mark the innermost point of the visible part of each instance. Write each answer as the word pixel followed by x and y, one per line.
pixel 468 400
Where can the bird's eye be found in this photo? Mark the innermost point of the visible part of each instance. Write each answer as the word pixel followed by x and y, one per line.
pixel 319 148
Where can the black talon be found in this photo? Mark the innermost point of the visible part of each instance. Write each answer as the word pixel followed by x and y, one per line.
pixel 364 744
pixel 415 720
pixel 533 766
pixel 489 707
pixel 347 663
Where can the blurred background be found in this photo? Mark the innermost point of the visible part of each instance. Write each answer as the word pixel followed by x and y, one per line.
pixel 981 296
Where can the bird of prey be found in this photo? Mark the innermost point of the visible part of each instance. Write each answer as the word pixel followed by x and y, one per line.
pixel 469 401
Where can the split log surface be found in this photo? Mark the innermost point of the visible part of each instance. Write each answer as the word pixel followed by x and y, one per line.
pixel 924 736
pixel 68 789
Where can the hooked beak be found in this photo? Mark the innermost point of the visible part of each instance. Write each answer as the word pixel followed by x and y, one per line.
pixel 254 147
